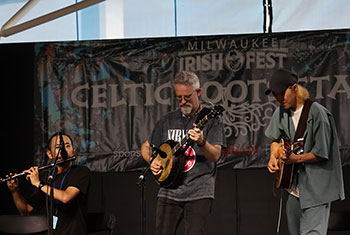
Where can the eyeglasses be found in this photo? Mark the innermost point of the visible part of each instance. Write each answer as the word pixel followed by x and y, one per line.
pixel 185 97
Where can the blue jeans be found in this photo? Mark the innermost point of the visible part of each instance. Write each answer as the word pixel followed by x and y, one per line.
pixel 170 213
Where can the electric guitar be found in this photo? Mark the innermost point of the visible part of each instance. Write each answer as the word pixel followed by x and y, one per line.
pixel 174 162
pixel 285 174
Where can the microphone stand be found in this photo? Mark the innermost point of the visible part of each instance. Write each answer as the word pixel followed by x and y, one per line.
pixel 141 183
pixel 50 183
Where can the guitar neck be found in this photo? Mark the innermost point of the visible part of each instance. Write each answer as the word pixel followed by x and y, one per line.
pixel 201 123
pixel 184 140
pixel 180 144
pixel 296 147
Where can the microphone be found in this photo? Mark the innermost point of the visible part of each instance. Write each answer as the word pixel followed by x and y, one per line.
pixel 64 153
pixel 161 153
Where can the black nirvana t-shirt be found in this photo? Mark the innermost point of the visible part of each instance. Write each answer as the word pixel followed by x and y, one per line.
pixel 71 216
pixel 199 173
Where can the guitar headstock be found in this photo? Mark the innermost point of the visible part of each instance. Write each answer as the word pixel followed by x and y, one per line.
pixel 210 113
pixel 216 111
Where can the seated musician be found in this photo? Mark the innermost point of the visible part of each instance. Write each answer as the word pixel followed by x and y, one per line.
pixel 192 199
pixel 71 184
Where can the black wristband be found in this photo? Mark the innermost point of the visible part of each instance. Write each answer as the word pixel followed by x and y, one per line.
pixel 40 185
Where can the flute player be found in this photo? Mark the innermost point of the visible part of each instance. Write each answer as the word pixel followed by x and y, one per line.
pixel 70 187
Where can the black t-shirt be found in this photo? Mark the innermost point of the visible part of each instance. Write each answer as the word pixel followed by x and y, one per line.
pixel 71 216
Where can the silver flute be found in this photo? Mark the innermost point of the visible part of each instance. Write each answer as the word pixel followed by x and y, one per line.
pixel 40 168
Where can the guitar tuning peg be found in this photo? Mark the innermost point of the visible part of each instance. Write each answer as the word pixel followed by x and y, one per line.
pixel 211 104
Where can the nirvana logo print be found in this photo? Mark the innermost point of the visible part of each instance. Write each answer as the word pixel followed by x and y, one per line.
pixel 190 159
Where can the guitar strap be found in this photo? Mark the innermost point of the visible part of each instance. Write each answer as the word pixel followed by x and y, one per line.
pixel 299 133
pixel 302 121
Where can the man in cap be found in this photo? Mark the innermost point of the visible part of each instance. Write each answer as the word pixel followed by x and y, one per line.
pixel 318 180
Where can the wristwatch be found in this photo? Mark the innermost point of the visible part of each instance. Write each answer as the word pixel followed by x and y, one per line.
pixel 40 185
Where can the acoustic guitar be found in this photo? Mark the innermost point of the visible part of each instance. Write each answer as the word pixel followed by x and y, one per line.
pixel 174 162
pixel 285 174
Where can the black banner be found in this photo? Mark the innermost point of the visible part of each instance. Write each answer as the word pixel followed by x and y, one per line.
pixel 109 94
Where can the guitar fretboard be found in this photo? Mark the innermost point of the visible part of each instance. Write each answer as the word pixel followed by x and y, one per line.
pixel 200 125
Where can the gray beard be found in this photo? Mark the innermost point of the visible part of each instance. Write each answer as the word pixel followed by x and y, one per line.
pixel 186 110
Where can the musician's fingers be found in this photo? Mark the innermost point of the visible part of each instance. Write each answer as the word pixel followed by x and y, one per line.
pixel 270 170
pixel 287 161
pixel 293 157
pixel 156 163
pixel 155 166
pixel 157 172
pixel 197 130
pixel 12 180
pixel 12 184
pixel 283 156
pixel 269 167
pixel 36 170
pixel 272 165
pixel 27 171
pixel 195 135
pixel 158 167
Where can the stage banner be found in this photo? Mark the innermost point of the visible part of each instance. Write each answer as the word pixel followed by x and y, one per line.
pixel 108 94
